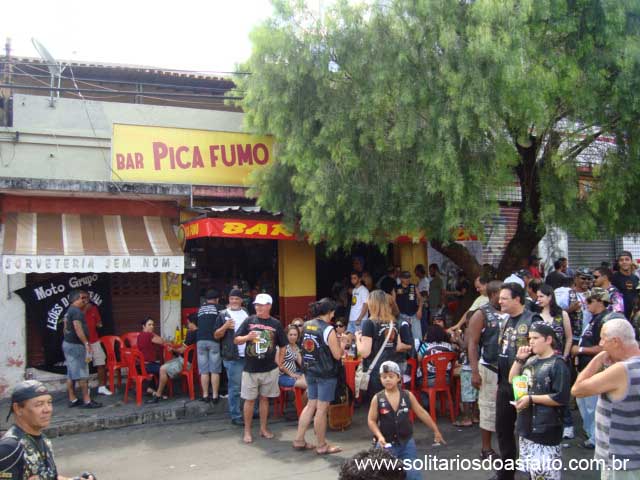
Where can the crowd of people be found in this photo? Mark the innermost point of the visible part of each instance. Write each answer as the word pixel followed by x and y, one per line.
pixel 567 334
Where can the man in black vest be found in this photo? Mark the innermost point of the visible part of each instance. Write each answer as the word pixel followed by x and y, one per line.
pixel 482 334
pixel 409 303
pixel 513 334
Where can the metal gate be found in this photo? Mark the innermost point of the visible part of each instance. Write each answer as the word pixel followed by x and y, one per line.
pixel 591 253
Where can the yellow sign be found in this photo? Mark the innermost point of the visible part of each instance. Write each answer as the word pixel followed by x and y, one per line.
pixel 171 286
pixel 176 155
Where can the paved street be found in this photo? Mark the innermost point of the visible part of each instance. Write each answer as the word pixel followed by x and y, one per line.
pixel 212 448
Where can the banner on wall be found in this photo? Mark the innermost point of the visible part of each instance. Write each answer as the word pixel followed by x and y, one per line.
pixel 178 155
pixel 47 302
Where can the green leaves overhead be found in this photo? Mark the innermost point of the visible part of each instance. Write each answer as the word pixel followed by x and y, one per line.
pixel 413 115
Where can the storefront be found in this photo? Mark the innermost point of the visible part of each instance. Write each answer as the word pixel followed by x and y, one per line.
pixel 54 245
pixel 253 253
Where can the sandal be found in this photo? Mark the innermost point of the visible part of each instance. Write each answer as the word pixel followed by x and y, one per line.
pixel 327 449
pixel 462 423
pixel 302 448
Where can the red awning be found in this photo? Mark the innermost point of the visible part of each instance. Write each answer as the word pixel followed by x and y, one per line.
pixel 235 228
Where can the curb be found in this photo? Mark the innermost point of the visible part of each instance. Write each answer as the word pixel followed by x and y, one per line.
pixel 146 416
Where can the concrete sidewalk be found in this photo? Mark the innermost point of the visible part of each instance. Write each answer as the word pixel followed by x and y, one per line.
pixel 116 414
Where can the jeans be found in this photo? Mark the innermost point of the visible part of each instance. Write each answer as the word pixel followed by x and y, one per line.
pixel 416 328
pixel 587 407
pixel 505 424
pixel 567 419
pixel 234 370
pixel 407 451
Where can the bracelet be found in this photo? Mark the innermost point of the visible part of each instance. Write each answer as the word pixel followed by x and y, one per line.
pixel 520 361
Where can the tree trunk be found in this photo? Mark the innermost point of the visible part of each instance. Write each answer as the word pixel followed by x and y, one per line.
pixel 460 256
pixel 529 230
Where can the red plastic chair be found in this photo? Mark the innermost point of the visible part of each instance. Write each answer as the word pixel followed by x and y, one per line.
pixel 113 365
pixel 440 386
pixel 137 373
pixel 130 339
pixel 187 374
pixel 279 402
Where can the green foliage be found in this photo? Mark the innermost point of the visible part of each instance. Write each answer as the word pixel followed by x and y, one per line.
pixel 433 103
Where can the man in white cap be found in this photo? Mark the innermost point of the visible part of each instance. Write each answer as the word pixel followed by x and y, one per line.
pixel 262 335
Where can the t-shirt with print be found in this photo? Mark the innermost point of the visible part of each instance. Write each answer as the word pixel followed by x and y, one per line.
pixel 238 317
pixel 77 315
pixel 378 333
pixel 431 348
pixel 627 285
pixel 260 355
pixel 358 299
pixel 207 316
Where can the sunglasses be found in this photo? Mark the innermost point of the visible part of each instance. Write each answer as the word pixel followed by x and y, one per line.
pixel 298 325
pixel 339 325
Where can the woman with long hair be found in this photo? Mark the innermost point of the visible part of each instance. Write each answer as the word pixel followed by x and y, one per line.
pixel 372 338
pixel 553 315
pixel 291 372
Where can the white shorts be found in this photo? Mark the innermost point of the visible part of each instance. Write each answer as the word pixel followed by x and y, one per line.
pixel 99 357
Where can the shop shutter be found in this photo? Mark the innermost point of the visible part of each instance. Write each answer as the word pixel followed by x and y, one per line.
pixel 590 253
pixel 135 296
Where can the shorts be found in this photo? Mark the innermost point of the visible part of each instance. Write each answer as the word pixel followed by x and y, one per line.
pixel 541 461
pixel 209 358
pixel 75 357
pixel 468 393
pixel 286 381
pixel 264 384
pixel 99 357
pixel 487 398
pixel 321 389
pixel 174 366
pixel 152 367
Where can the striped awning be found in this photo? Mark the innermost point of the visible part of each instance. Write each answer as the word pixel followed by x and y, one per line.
pixel 48 243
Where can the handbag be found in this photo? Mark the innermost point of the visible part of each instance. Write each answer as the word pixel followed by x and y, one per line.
pixel 362 377
pixel 339 413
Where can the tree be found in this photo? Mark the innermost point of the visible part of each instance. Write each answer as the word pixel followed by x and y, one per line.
pixel 411 116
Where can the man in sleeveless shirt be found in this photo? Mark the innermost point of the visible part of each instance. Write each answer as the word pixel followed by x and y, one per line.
pixel 483 333
pixel 618 410
pixel 409 303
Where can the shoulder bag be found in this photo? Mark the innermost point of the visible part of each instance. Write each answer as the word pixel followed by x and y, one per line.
pixel 362 377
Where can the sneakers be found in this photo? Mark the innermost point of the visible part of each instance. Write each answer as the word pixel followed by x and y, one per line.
pixel 75 403
pixel 91 404
pixel 154 399
pixel 215 400
pixel 103 390
pixel 587 445
pixel 567 433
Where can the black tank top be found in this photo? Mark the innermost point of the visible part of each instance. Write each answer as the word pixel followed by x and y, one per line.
pixel 407 299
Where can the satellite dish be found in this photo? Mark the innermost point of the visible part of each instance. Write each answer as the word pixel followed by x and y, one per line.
pixel 55 68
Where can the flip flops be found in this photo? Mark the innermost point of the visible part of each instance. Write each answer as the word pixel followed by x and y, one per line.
pixel 328 450
pixel 302 448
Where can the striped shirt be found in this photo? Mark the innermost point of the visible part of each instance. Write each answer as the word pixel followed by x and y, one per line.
pixel 290 360
pixel 618 422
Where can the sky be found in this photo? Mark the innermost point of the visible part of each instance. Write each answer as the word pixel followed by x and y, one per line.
pixel 206 35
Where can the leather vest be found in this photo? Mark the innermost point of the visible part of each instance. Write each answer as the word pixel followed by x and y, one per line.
pixel 513 335
pixel 489 335
pixel 396 427
pixel 317 359
pixel 228 349
pixel 407 299
pixel 37 462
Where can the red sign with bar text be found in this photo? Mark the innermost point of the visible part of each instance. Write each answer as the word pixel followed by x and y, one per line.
pixel 236 228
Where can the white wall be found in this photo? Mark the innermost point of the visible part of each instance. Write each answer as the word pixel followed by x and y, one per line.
pixel 72 140
pixel 13 338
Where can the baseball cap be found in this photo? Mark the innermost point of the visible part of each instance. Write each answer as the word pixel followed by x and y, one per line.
pixel 390 366
pixel 584 272
pixel 405 274
pixel 27 390
pixel 598 293
pixel 235 292
pixel 263 299
pixel 513 278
